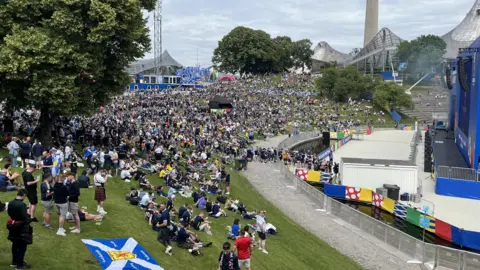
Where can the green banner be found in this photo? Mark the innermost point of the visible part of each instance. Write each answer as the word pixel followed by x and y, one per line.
pixel 413 216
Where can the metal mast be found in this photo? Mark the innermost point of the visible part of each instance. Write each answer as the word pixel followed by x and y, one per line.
pixel 157 43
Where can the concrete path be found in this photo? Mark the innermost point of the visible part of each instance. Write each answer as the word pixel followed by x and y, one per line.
pixel 364 249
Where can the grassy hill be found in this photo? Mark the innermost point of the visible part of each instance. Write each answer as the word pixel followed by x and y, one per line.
pixel 293 248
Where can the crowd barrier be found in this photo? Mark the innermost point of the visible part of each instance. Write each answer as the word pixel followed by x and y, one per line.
pixel 419 251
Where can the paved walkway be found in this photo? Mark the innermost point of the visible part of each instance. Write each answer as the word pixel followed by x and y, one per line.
pixel 364 249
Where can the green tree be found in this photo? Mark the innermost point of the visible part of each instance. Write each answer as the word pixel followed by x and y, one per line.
pixel 245 50
pixel 392 96
pixel 339 84
pixel 302 54
pixel 67 57
pixel 283 52
pixel 423 54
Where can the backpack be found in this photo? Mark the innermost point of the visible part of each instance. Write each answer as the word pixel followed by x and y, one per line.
pixel 134 200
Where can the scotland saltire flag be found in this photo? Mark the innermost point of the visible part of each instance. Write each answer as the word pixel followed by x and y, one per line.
pixel 121 253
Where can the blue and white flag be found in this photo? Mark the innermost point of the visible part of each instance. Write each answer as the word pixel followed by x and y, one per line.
pixel 121 253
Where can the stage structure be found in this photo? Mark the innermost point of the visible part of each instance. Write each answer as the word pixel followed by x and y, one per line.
pixel 169 65
pixel 455 153
pixel 379 54
pixel 465 33
pixel 464 110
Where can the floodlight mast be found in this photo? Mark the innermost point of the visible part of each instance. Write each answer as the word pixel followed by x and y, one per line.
pixel 157 43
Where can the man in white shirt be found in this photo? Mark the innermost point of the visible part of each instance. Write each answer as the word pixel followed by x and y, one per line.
pixel 99 181
pixel 204 156
pixel 125 175
pixel 146 199
pixel 262 231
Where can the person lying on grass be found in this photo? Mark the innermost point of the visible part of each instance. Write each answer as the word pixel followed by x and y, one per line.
pixel 84 216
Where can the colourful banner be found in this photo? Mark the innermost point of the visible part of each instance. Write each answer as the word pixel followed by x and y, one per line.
pixel 121 253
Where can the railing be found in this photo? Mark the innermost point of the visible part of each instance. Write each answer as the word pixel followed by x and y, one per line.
pixel 419 251
pixel 458 173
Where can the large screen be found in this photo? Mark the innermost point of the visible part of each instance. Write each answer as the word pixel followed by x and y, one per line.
pixel 464 102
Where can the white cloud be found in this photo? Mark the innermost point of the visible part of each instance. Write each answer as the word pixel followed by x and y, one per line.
pixel 189 26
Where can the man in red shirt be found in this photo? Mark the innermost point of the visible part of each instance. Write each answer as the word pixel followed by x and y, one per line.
pixel 243 246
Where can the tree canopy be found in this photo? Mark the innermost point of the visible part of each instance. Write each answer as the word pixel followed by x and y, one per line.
pixel 340 84
pixel 389 95
pixel 423 54
pixel 68 57
pixel 246 50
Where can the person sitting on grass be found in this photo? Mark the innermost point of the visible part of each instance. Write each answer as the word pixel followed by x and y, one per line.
pixel 160 191
pixel 188 240
pixel 12 175
pixel 5 182
pixel 234 230
pixel 217 211
pixel 202 202
pixel 147 198
pixel 145 184
pixel 125 175
pixel 201 223
pixel 84 180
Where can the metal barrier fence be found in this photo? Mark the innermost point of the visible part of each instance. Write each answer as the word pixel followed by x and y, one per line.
pixel 458 173
pixel 419 251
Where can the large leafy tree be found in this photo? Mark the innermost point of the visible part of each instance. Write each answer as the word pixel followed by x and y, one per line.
pixel 68 57
pixel 339 84
pixel 423 54
pixel 302 53
pixel 284 48
pixel 245 50
pixel 392 96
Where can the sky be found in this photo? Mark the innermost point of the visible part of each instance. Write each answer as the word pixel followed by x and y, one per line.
pixel 191 26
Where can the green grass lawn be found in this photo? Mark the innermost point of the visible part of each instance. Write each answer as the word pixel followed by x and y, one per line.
pixel 293 248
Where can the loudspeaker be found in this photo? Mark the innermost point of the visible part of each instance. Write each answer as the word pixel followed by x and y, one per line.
pixel 326 138
pixel 8 125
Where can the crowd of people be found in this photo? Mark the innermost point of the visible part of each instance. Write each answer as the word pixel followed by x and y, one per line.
pixel 173 134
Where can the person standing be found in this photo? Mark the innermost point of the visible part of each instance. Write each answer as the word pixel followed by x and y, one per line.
pixel 31 187
pixel 73 194
pixel 25 149
pixel 13 148
pixel 227 183
pixel 227 259
pixel 37 150
pixel 164 228
pixel 262 231
pixel 47 202
pixel 99 180
pixel 73 164
pixel 20 233
pixel 60 195
pixel 47 164
pixel 243 246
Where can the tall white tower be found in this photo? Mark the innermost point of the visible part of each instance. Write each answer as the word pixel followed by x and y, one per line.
pixel 371 21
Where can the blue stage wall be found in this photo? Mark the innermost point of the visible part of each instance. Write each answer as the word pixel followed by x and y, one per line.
pixel 457 188
pixel 466 113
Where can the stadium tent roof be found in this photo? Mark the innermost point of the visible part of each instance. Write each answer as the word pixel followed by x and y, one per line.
pixel 384 40
pixel 146 64
pixel 323 52
pixel 465 33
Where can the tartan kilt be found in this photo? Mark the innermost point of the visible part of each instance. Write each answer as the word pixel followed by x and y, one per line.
pixel 100 194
